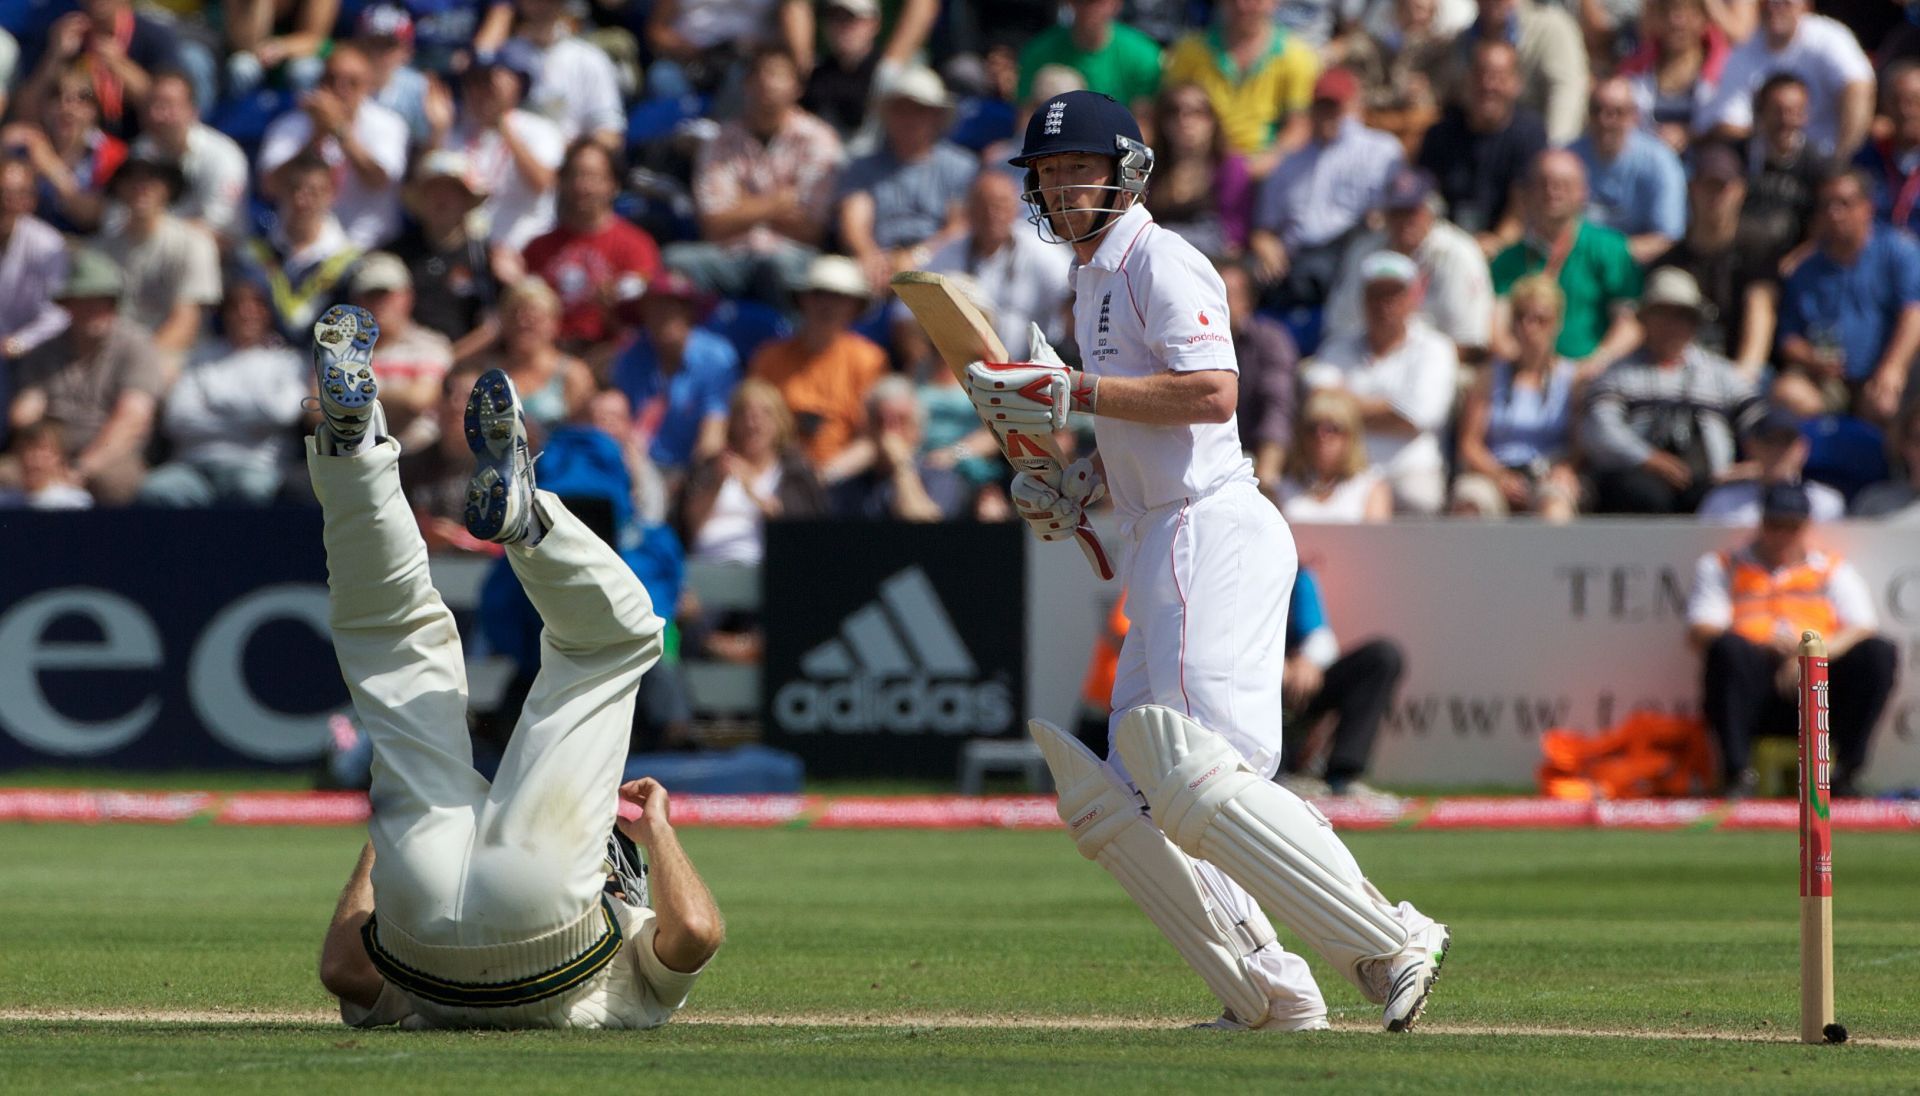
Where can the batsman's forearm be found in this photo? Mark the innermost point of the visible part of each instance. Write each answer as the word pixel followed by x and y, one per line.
pixel 1171 399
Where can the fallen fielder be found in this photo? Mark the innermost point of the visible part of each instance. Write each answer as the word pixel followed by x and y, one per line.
pixel 480 904
pixel 1209 566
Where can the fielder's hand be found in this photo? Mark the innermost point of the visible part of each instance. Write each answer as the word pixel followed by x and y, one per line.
pixel 1029 394
pixel 1054 512
pixel 643 810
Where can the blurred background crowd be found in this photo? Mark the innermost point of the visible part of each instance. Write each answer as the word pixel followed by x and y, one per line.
pixel 1483 257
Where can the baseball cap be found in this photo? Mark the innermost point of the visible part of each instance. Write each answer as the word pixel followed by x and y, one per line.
pixel 385 21
pixel 835 274
pixel 917 84
pixel 516 56
pixel 1337 85
pixel 1776 424
pixel 1408 188
pixel 380 272
pixel 90 274
pixel 675 286
pixel 1785 502
pixel 1672 287
pixel 1388 266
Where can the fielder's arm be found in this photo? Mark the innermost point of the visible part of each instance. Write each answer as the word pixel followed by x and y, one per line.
pixel 345 970
pixel 689 928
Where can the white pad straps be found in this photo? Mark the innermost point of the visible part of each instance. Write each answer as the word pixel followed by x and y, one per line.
pixel 1271 842
pixel 1107 825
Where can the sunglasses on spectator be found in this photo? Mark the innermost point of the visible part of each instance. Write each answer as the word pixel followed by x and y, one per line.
pixel 1329 427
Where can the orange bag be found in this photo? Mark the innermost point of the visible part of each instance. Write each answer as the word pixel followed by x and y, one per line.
pixel 1647 755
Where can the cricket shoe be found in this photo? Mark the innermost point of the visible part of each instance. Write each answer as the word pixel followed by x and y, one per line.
pixel 500 494
pixel 343 372
pixel 1406 980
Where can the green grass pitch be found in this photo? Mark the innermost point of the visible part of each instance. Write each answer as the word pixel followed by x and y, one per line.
pixel 978 962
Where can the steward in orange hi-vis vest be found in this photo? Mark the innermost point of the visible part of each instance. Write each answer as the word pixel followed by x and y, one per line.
pixel 1791 599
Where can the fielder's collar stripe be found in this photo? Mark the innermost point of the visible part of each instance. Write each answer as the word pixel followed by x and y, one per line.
pixel 497 994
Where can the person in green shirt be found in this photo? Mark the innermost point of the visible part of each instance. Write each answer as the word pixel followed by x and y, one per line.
pixel 1116 59
pixel 1591 263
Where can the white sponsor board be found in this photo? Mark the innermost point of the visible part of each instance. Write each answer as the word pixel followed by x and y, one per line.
pixel 1513 628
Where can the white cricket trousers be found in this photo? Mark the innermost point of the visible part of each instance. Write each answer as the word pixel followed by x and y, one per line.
pixel 461 863
pixel 1208 585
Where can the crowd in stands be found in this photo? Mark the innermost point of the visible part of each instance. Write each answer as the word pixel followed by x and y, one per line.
pixel 1483 257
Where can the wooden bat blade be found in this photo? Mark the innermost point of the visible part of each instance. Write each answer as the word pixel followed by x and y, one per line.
pixel 958 329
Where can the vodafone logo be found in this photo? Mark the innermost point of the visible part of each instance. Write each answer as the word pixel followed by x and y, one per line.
pixel 1203 318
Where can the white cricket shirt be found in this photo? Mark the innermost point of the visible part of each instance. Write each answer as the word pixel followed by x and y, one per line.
pixel 1149 303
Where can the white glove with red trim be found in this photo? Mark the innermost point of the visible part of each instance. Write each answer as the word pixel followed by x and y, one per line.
pixel 1033 395
pixel 1055 512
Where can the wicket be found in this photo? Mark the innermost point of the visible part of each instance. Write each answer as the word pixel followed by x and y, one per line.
pixel 1816 847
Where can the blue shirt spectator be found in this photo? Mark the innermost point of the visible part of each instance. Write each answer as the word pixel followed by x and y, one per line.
pixel 1635 184
pixel 1852 306
pixel 671 405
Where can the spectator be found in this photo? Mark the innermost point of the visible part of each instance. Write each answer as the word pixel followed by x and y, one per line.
pixel 1551 57
pixel 1675 72
pixel 1117 60
pixel 33 267
pixel 1201 187
pixel 824 369
pixel 71 155
pixel 454 284
pixel 1776 453
pixel 1897 501
pixel 1313 204
pixel 511 153
pixel 1742 290
pixel 1783 171
pixel 383 33
pixel 46 478
pixel 1456 292
pixel 121 50
pixel 1403 60
pixel 1827 60
pixel 1269 377
pixel 1850 314
pixel 841 83
pixel 364 141
pixel 677 376
pixel 575 85
pixel 1022 279
pixel 410 359
pixel 1356 688
pixel 1594 268
pixel 1402 372
pixel 594 259
pixel 306 257
pixel 215 196
pixel 1516 429
pixel 1660 423
pixel 267 36
pixel 1259 77
pixel 170 269
pixel 1328 479
pixel 763 188
pixel 554 386
pixel 882 476
pixel 227 419
pixel 760 476
pixel 434 476
pixel 1892 160
pixel 99 378
pixel 1481 148
pixel 901 203
pixel 1637 186
pixel 955 437
pixel 1745 614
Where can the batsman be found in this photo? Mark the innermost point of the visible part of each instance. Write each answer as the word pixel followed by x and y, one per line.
pixel 1184 812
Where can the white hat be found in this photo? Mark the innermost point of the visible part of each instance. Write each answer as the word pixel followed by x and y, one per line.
pixel 1672 287
pixel 447 163
pixel 380 272
pixel 835 274
pixel 1388 266
pixel 919 84
pixel 865 9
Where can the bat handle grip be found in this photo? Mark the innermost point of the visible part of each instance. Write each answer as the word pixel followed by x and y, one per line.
pixel 1090 546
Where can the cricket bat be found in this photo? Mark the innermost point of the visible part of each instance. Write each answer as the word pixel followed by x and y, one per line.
pixel 961 335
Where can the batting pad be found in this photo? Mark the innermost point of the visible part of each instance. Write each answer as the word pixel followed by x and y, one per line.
pixel 1107 825
pixel 1271 842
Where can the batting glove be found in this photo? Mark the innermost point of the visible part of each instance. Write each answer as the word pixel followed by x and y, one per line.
pixel 1029 394
pixel 1055 512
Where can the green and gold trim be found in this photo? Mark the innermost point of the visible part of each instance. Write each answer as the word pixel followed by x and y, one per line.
pixel 541 986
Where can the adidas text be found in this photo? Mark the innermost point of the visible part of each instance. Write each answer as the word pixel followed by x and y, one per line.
pixel 913 706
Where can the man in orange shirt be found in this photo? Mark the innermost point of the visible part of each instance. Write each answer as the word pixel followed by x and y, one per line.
pixel 825 369
pixel 1746 612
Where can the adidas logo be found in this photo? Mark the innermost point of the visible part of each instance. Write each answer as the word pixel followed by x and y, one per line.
pixel 897 666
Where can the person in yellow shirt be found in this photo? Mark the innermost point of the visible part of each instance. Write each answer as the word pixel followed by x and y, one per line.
pixel 1259 77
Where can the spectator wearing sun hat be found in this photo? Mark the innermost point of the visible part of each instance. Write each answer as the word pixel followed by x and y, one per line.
pixel 1403 373
pixel 825 368
pixel 171 270
pixel 902 202
pixel 677 375
pixel 454 285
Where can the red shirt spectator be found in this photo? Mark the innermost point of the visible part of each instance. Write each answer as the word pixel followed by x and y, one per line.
pixel 595 259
